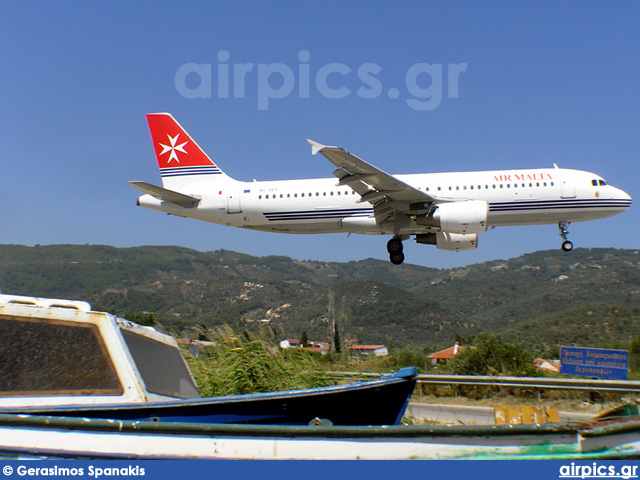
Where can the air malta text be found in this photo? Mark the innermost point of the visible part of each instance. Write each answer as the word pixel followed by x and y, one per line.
pixel 521 177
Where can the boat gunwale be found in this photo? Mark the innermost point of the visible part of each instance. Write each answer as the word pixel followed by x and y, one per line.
pixel 321 431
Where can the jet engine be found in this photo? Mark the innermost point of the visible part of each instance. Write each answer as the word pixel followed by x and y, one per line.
pixel 454 242
pixel 463 217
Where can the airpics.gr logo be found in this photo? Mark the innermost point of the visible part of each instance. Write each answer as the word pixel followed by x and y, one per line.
pixel 595 470
pixel 423 90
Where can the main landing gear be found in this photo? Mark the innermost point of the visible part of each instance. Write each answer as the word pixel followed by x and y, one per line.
pixel 394 247
pixel 567 246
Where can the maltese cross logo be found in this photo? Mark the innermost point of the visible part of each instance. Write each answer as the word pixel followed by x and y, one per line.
pixel 172 147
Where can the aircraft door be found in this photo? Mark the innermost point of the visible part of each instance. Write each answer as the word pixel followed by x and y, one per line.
pixel 568 189
pixel 233 202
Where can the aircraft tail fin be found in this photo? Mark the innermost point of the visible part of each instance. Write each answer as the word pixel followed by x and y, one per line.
pixel 180 158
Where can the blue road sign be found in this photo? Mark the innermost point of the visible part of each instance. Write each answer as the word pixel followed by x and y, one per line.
pixel 594 362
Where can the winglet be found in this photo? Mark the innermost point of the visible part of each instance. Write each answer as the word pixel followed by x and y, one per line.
pixel 315 146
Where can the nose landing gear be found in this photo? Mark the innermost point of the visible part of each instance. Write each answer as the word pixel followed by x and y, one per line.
pixel 567 246
pixel 394 247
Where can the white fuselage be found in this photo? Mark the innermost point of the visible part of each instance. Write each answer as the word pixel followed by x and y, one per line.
pixel 515 197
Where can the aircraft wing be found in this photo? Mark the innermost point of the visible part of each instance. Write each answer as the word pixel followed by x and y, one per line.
pixel 385 192
pixel 165 195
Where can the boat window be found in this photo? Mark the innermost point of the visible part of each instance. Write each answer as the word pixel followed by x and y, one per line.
pixel 161 366
pixel 48 357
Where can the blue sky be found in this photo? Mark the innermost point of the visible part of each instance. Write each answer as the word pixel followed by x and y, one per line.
pixel 542 82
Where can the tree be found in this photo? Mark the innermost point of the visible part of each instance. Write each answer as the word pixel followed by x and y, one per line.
pixel 489 355
pixel 304 339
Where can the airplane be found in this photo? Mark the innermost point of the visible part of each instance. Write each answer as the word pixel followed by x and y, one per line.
pixel 448 210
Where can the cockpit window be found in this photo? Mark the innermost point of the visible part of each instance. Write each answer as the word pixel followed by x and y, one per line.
pixel 602 183
pixel 594 183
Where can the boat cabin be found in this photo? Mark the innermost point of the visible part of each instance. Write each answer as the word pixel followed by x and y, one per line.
pixel 61 352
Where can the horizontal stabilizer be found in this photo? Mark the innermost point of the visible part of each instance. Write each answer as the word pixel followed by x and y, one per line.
pixel 187 201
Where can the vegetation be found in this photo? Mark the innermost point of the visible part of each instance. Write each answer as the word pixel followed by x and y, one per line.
pixel 542 300
pixel 490 355
pixel 240 363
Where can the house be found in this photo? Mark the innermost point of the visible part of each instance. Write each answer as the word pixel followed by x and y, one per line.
pixel 377 350
pixel 444 356
pixel 316 347
pixel 551 366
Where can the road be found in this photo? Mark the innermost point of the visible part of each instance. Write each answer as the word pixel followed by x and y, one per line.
pixel 469 415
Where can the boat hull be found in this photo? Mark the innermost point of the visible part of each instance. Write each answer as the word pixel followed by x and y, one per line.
pixel 378 402
pixel 25 436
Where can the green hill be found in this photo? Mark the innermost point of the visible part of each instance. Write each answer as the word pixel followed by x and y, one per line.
pixel 540 298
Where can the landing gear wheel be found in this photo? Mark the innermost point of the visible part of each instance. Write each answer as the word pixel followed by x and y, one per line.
pixel 394 245
pixel 396 258
pixel 567 246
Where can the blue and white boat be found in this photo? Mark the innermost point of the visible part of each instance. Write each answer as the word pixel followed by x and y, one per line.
pixel 60 358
